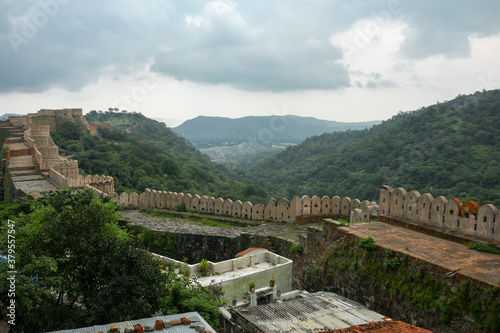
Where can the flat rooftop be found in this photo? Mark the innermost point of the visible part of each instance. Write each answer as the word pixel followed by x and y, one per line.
pixel 240 271
pixel 450 255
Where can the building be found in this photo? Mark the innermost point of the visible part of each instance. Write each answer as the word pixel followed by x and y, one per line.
pixel 234 275
pixel 194 318
pixel 305 313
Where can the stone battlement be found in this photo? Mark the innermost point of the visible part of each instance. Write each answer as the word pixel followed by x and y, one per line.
pixel 467 218
pixel 62 172
pixel 280 211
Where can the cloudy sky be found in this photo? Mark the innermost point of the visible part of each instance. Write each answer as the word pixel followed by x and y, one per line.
pixel 175 60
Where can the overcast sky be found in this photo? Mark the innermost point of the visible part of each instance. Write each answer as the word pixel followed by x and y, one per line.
pixel 175 60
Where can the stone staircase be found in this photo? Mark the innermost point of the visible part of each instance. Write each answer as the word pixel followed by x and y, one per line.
pixel 26 180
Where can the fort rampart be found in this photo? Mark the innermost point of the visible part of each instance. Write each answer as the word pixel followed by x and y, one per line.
pixel 466 219
pixel 453 216
pixel 62 172
pixel 304 208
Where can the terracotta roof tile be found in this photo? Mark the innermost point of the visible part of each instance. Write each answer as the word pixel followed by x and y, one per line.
pixel 391 326
pixel 247 251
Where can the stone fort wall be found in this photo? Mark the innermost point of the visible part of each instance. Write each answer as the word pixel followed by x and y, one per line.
pixel 302 209
pixel 54 118
pixel 453 216
pixel 61 171
pixel 463 219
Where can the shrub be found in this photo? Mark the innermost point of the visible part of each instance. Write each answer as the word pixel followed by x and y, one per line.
pixel 481 246
pixel 203 267
pixel 296 249
pixel 181 207
pixel 367 244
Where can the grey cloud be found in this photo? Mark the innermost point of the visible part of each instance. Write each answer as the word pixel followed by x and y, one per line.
pixel 444 27
pixel 375 80
pixel 251 45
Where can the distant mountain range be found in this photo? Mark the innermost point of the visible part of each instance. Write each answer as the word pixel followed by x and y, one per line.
pixel 205 132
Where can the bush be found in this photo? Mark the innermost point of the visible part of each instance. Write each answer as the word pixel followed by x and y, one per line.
pixel 203 267
pixel 483 247
pixel 296 249
pixel 367 244
pixel 389 260
pixel 181 207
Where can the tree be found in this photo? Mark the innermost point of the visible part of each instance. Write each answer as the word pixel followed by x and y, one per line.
pixel 76 267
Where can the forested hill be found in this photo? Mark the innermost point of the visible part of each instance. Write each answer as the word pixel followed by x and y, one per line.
pixel 450 149
pixel 216 131
pixel 140 152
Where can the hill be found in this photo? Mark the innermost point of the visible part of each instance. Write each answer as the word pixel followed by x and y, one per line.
pixel 206 132
pixel 139 152
pixel 450 149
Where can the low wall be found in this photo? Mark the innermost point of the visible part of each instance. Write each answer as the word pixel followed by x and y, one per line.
pixel 236 287
pixel 58 179
pixel 281 211
pixel 449 215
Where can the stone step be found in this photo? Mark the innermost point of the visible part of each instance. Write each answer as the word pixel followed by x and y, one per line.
pixel 21 173
pixel 22 168
pixel 21 163
pixel 14 139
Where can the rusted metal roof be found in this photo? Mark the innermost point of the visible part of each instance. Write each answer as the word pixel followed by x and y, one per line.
pixel 309 313
pixel 391 326
pixel 147 321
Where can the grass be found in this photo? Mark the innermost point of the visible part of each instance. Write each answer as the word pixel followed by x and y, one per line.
pixel 483 247
pixel 199 220
pixel 209 222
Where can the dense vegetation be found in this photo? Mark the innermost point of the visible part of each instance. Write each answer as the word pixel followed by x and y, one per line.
pixel 219 131
pixel 142 153
pixel 450 149
pixel 76 267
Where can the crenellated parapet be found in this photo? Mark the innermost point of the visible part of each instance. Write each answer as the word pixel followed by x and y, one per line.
pixel 302 209
pixel 18 121
pixel 67 168
pixel 48 155
pixel 467 218
pixel 42 130
pixel 105 184
pixel 64 173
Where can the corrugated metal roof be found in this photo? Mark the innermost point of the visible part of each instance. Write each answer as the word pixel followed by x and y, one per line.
pixel 146 321
pixel 309 313
pixel 391 326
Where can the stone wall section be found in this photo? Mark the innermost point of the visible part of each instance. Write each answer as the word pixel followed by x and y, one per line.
pixel 279 211
pixel 448 215
pixel 62 172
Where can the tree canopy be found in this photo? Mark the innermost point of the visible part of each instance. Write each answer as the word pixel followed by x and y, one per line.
pixel 143 153
pixel 76 267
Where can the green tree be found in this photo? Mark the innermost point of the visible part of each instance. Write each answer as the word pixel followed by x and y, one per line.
pixel 76 267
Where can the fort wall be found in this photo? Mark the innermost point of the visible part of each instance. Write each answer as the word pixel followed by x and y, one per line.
pixel 55 118
pixel 299 209
pixel 62 172
pixel 94 127
pixel 466 219
pixel 450 216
